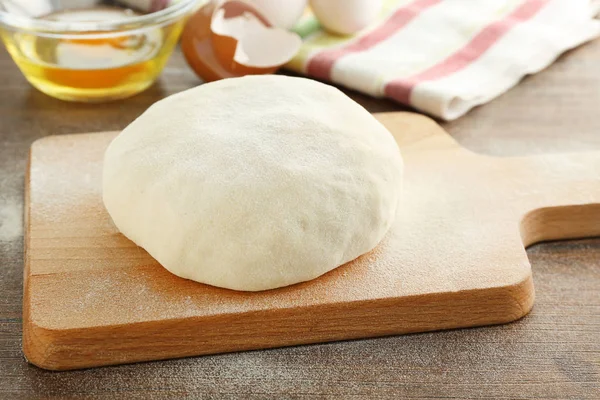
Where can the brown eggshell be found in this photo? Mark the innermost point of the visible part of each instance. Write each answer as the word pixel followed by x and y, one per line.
pixel 211 38
pixel 225 45
pixel 196 44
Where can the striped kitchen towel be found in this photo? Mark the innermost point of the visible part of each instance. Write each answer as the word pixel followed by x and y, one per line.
pixel 444 57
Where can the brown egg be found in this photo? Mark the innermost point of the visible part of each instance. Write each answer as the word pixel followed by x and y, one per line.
pixel 234 39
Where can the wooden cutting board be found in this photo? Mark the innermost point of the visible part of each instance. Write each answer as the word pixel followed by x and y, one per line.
pixel 454 258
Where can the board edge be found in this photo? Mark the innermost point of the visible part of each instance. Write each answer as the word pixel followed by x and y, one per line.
pixel 68 349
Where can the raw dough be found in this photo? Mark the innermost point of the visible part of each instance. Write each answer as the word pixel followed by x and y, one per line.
pixel 254 183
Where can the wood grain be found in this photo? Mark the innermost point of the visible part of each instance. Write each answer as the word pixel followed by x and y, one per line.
pixel 453 258
pixel 553 352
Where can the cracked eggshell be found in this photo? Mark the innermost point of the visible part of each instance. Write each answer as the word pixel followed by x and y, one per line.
pixel 196 46
pixel 282 14
pixel 246 43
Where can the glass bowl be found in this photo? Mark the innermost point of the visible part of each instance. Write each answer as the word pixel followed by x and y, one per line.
pixel 92 50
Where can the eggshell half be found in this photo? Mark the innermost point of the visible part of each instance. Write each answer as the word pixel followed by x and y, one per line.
pixel 281 13
pixel 246 43
pixel 231 38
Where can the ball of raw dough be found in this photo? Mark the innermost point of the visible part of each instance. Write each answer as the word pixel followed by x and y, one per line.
pixel 254 183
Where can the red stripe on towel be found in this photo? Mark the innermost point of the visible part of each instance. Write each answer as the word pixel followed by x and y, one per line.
pixel 321 64
pixel 401 89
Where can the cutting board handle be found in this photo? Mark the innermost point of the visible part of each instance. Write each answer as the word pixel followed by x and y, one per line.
pixel 560 192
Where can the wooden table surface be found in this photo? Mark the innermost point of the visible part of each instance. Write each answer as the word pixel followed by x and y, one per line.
pixel 554 352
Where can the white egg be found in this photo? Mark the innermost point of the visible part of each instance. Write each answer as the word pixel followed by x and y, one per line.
pixel 281 13
pixel 346 17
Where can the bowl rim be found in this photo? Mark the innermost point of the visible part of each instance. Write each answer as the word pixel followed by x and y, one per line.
pixel 41 26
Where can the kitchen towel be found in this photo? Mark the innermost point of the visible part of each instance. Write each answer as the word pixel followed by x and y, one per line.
pixel 444 57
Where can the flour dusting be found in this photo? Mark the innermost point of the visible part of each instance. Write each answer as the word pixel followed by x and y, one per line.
pixel 11 220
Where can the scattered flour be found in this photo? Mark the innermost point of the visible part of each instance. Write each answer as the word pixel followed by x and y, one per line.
pixel 11 220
